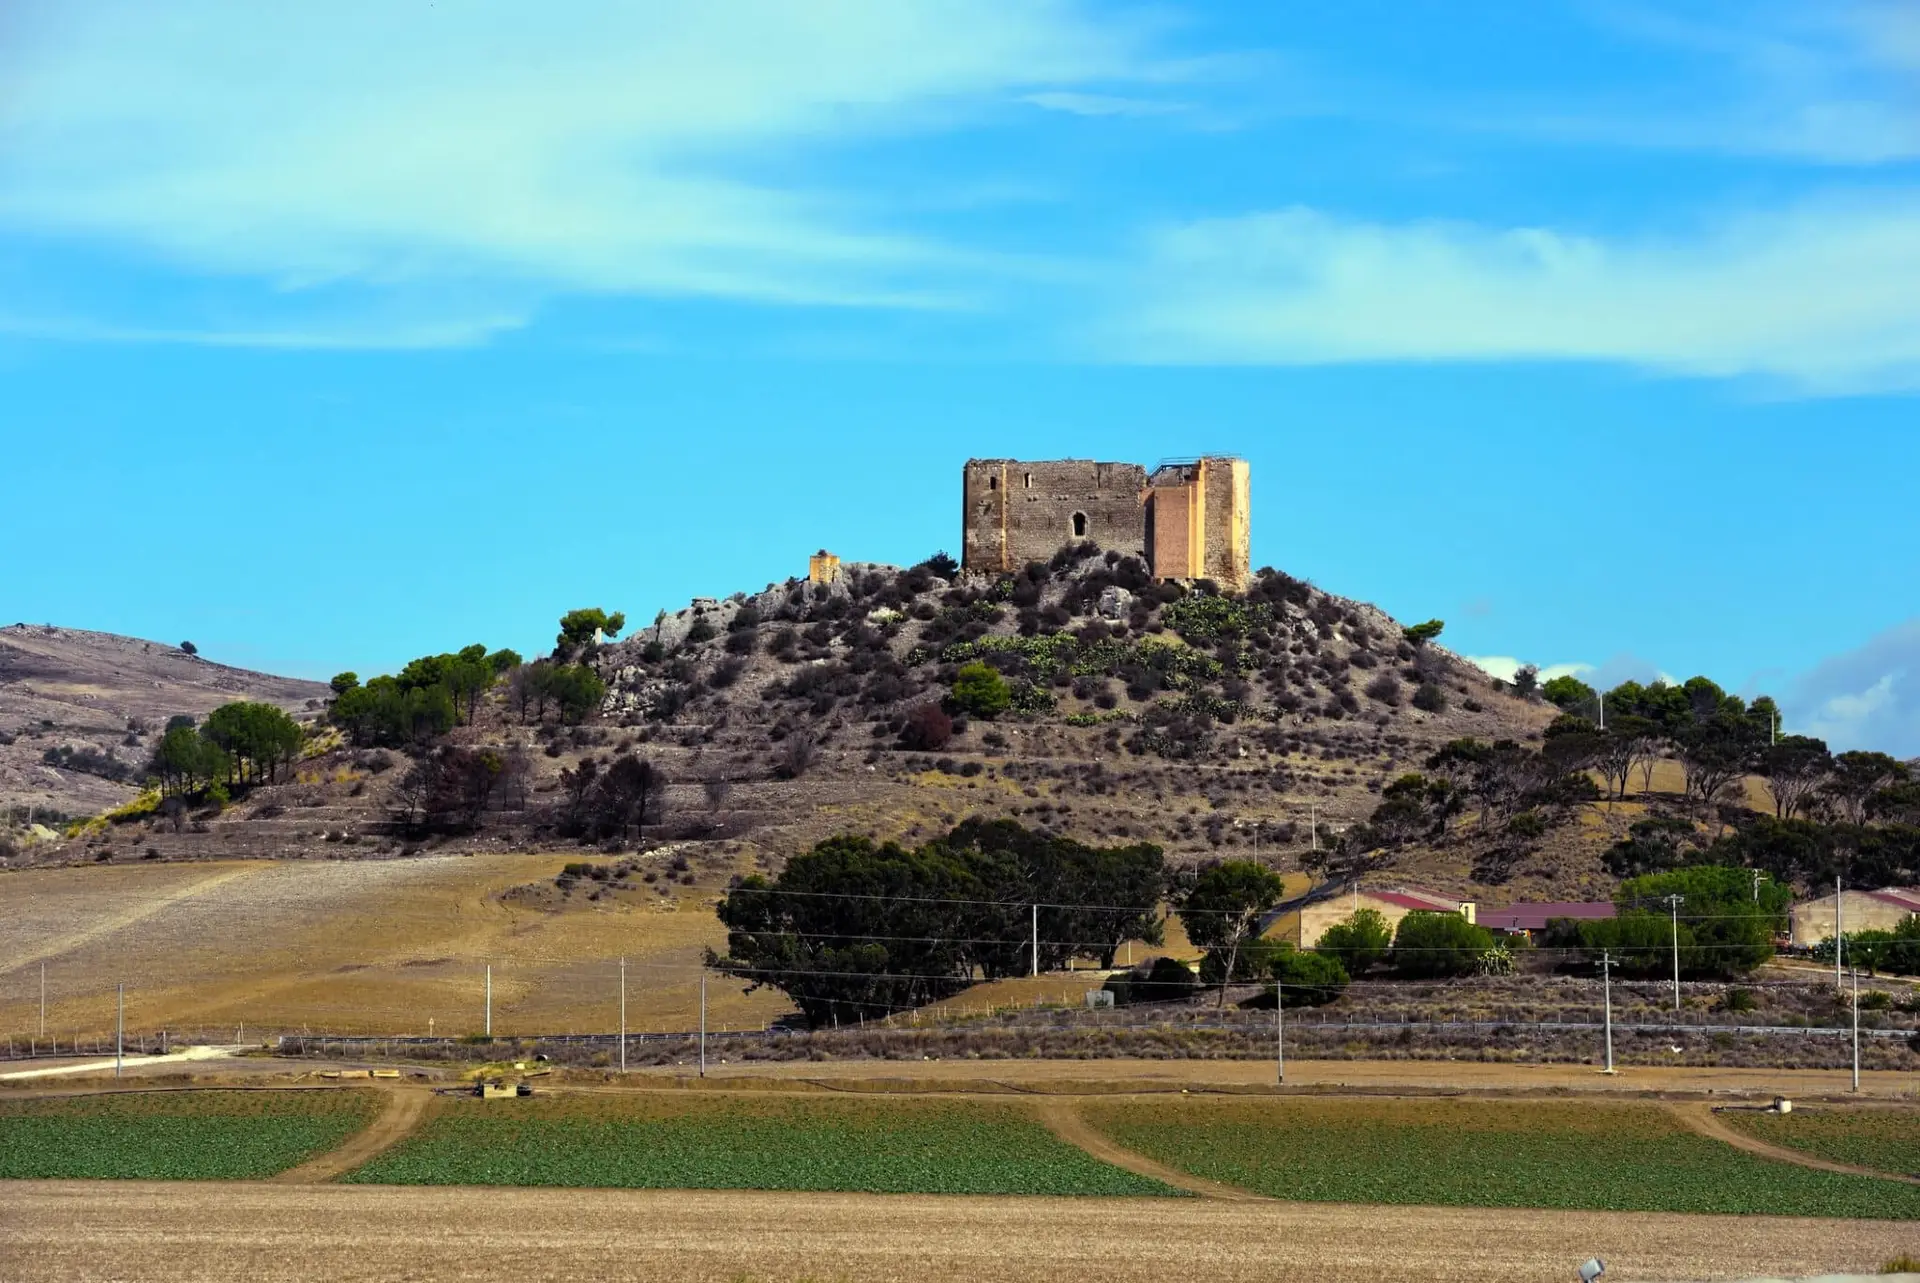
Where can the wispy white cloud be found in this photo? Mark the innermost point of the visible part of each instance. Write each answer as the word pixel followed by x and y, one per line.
pixel 1867 698
pixel 366 335
pixel 1078 104
pixel 1824 297
pixel 1828 82
pixel 1503 667
pixel 1604 676
pixel 576 146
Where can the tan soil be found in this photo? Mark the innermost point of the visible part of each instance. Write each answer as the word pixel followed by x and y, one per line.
pixel 369 946
pixel 402 1109
pixel 84 686
pixel 1702 1119
pixel 58 1231
pixel 1064 1121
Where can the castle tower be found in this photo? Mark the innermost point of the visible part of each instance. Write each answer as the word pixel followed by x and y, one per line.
pixel 1198 521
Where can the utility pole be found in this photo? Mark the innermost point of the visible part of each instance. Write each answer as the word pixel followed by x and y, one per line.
pixel 1756 886
pixel 1280 1029
pixel 1603 710
pixel 1674 902
pixel 703 1024
pixel 119 1028
pixel 1035 970
pixel 43 1000
pixel 1606 990
pixel 1313 825
pixel 489 1000
pixel 623 1015
pixel 1856 1030
pixel 1839 940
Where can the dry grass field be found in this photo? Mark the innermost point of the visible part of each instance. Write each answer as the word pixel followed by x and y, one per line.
pixel 381 946
pixel 387 946
pixel 56 1232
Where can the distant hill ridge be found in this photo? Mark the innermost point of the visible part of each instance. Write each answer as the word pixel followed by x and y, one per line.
pixel 106 697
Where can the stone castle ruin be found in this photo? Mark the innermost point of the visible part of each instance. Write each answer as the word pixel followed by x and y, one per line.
pixel 1186 520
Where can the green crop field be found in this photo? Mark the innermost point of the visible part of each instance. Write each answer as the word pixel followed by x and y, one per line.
pixel 174 1135
pixel 1625 1157
pixel 737 1142
pixel 1887 1140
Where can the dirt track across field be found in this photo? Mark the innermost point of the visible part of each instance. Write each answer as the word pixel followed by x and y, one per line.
pixel 1064 1121
pixel 1704 1121
pixel 55 1232
pixel 403 1108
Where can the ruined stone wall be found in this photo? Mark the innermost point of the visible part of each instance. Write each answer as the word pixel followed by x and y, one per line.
pixel 1019 511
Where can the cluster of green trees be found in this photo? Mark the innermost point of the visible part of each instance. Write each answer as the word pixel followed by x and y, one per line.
pixel 1300 978
pixel 1717 739
pixel 854 929
pixel 1727 919
pixel 572 690
pixel 1516 793
pixel 435 693
pixel 1796 851
pixel 240 743
pixel 425 700
pixel 1229 901
pixel 1895 952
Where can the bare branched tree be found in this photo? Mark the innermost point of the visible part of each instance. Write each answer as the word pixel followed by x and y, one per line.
pixel 796 755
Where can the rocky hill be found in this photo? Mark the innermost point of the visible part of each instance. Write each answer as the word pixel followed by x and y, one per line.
pixel 79 712
pixel 1211 724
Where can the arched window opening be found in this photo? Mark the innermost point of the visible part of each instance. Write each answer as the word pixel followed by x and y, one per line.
pixel 1029 477
pixel 1079 525
pixel 993 483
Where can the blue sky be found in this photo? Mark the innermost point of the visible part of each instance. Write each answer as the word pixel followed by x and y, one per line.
pixel 331 334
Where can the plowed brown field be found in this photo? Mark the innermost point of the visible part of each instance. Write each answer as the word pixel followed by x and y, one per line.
pixel 58 1231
